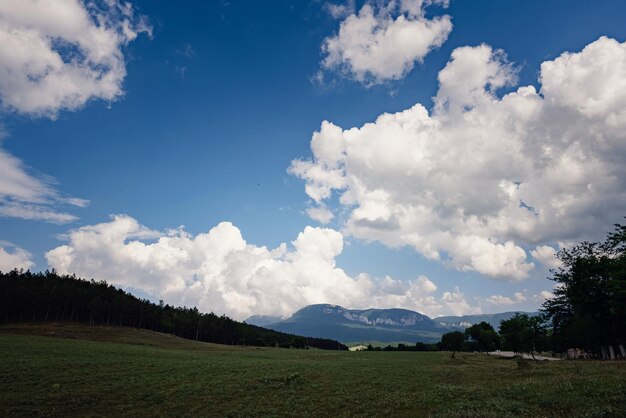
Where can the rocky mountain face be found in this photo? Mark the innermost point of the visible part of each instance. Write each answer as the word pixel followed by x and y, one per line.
pixel 384 325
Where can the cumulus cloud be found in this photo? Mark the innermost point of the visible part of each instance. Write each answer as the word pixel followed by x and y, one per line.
pixel 546 255
pixel 59 54
pixel 341 10
pixel 456 303
pixel 499 300
pixel 320 214
pixel 219 271
pixel 543 296
pixel 25 196
pixel 383 42
pixel 482 179
pixel 13 257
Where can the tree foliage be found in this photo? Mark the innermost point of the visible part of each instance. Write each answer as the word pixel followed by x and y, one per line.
pixel 482 337
pixel 589 306
pixel 523 333
pixel 26 296
pixel 453 341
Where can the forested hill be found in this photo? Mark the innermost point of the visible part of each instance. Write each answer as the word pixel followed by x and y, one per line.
pixel 26 297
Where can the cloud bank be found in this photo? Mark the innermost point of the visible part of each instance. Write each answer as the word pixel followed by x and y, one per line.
pixel 482 179
pixel 383 43
pixel 219 271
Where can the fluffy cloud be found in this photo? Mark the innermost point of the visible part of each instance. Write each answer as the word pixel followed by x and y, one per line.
pixel 59 54
pixel 320 214
pixel 481 179
pixel 546 255
pixel 383 43
pixel 56 55
pixel 456 303
pixel 27 197
pixel 12 257
pixel 342 10
pixel 219 271
pixel 499 300
pixel 543 296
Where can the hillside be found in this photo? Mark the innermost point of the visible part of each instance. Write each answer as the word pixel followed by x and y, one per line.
pixel 384 325
pixel 48 297
pixel 262 320
pixel 107 334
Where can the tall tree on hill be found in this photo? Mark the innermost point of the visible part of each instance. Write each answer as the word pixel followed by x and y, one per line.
pixel 589 306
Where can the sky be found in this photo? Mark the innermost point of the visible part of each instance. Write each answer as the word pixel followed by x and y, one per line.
pixel 253 157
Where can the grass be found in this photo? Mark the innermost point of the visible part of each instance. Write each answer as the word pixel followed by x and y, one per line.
pixel 119 372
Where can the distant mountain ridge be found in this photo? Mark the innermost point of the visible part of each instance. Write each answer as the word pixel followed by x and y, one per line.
pixel 369 325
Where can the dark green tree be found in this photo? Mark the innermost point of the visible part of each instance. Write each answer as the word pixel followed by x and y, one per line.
pixel 483 337
pixel 589 306
pixel 453 341
pixel 523 333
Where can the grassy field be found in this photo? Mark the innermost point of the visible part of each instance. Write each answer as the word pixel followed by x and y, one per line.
pixel 114 372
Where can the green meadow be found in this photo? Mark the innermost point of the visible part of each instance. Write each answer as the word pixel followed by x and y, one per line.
pixel 69 370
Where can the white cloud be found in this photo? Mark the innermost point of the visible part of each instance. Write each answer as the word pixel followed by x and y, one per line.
pixel 219 271
pixel 546 255
pixel 471 77
pixel 320 214
pixel 34 213
pixel 383 43
pixel 499 300
pixel 543 296
pixel 12 257
pixel 481 179
pixel 59 54
pixel 456 304
pixel 25 196
pixel 56 55
pixel 340 11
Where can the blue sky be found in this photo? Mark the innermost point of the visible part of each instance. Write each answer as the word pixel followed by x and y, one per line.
pixel 216 99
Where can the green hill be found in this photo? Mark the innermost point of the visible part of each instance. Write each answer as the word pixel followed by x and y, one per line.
pixel 49 297
pixel 119 335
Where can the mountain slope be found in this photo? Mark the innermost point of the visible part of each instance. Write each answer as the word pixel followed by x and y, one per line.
pixel 385 325
pixel 369 325
pixel 262 320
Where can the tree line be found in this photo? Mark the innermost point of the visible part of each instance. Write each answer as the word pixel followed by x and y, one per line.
pixel 418 346
pixel 587 312
pixel 48 296
pixel 521 334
